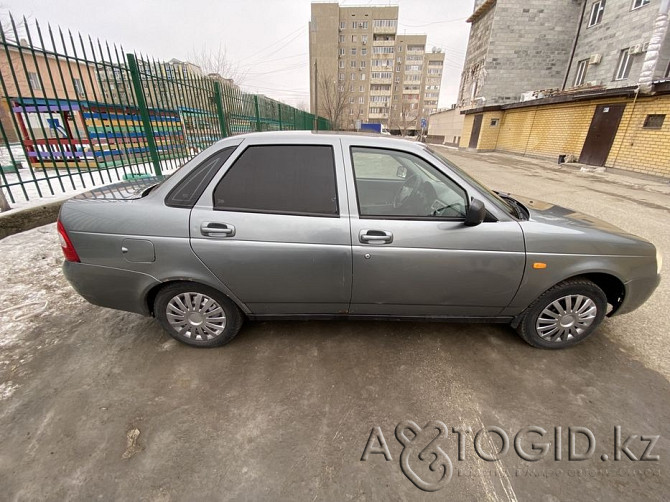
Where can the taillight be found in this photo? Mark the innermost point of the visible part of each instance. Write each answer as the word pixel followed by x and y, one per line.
pixel 66 244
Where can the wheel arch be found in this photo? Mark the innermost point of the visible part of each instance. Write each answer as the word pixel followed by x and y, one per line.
pixel 150 295
pixel 610 284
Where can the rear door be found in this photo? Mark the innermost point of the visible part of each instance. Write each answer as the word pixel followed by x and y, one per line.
pixel 274 227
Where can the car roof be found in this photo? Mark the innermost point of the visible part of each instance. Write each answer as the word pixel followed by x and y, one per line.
pixel 311 135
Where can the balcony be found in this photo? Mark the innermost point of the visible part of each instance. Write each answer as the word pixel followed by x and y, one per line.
pixel 378 115
pixel 381 93
pixel 381 80
pixel 391 30
pixel 383 43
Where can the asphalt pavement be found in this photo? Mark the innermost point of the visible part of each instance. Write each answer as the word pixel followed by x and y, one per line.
pixel 101 404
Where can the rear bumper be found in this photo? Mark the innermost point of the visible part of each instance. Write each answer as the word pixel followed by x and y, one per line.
pixel 110 287
pixel 638 291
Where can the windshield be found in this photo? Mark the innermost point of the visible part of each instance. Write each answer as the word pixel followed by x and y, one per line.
pixel 494 197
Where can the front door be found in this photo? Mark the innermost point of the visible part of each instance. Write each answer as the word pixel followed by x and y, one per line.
pixel 604 126
pixel 412 254
pixel 271 230
pixel 476 129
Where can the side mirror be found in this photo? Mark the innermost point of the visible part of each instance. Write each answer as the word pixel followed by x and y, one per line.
pixel 476 213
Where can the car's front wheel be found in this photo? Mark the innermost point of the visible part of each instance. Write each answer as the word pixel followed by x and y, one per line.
pixel 197 315
pixel 564 315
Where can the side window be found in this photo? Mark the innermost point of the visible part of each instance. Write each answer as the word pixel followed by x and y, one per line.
pixel 189 190
pixel 282 179
pixel 394 184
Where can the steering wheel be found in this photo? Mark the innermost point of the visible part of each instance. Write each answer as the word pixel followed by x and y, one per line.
pixel 406 191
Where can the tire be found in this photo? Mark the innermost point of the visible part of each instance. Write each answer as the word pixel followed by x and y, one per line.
pixel 545 326
pixel 199 303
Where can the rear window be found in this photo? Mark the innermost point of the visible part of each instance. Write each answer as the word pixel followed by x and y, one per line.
pixel 283 179
pixel 189 190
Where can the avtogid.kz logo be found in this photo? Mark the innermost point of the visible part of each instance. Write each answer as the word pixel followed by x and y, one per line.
pixel 426 464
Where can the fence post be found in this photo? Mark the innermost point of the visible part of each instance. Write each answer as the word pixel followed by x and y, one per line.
pixel 144 112
pixel 219 108
pixel 258 115
pixel 279 108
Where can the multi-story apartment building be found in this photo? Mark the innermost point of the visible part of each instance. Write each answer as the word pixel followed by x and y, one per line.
pixel 362 70
pixel 587 80
pixel 533 48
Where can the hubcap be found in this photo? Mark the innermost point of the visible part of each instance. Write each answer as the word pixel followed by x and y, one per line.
pixel 566 318
pixel 196 316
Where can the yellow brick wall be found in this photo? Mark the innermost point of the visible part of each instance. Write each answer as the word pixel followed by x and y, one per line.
pixel 639 149
pixel 552 130
pixel 467 129
pixel 488 136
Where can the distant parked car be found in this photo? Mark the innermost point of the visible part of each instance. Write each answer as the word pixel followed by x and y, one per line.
pixel 299 225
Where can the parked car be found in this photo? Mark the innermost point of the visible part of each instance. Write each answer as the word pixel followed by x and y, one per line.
pixel 300 225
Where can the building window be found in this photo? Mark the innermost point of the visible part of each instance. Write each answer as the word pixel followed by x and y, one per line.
pixel 362 64
pixel 341 63
pixel 361 100
pixel 353 24
pixel 78 87
pixel 597 10
pixel 353 51
pixel 341 76
pixel 654 121
pixel 353 77
pixel 494 122
pixel 384 23
pixel 34 80
pixel 353 63
pixel 341 51
pixel 364 51
pixel 343 25
pixel 364 38
pixel 581 72
pixel 365 26
pixel 362 76
pixel 639 3
pixel 360 89
pixel 341 39
pixel 353 38
pixel 623 67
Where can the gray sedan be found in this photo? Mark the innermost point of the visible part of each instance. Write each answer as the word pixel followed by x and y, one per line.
pixel 299 225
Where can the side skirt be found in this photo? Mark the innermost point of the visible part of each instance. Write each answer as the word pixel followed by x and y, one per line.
pixel 362 317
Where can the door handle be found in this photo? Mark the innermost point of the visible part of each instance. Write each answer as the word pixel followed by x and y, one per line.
pixel 209 229
pixel 375 237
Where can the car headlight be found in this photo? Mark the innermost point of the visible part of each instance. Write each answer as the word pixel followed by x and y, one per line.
pixel 659 261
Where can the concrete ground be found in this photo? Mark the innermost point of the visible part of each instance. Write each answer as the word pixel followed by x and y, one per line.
pixel 100 404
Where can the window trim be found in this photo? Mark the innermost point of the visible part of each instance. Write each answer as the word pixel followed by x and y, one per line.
pixel 597 8
pixel 408 218
pixel 582 68
pixel 195 171
pixel 338 214
pixel 620 63
pixel 642 4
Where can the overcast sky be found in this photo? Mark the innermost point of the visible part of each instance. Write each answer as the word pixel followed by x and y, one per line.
pixel 267 39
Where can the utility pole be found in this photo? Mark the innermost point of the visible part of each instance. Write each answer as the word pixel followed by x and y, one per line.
pixel 316 96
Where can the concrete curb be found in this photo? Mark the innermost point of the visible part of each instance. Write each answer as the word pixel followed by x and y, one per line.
pixel 15 221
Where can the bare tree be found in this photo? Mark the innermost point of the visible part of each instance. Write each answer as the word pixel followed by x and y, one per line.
pixel 216 61
pixel 406 118
pixel 333 97
pixel 302 105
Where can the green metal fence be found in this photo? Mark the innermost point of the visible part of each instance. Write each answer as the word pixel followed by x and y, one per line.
pixel 77 112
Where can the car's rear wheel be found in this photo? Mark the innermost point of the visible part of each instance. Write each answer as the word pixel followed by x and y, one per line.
pixel 564 315
pixel 197 315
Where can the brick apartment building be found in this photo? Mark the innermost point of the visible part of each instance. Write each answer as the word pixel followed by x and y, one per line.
pixel 374 73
